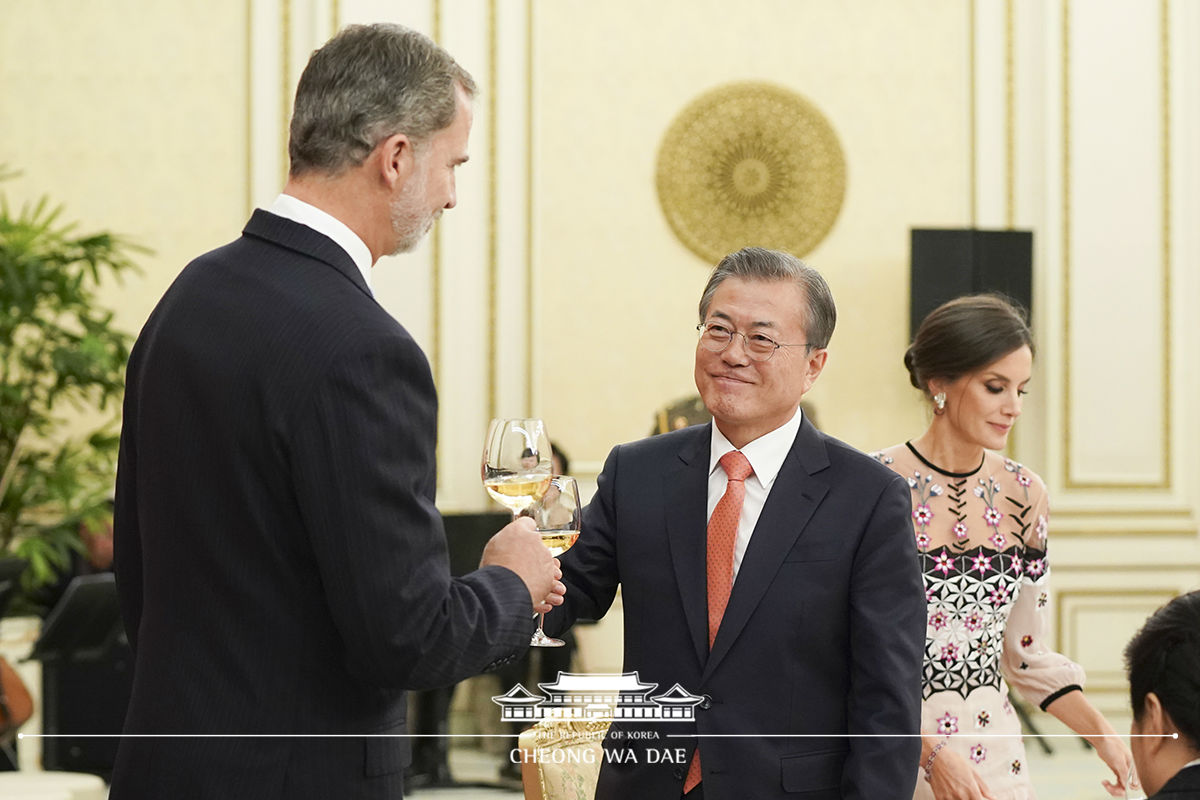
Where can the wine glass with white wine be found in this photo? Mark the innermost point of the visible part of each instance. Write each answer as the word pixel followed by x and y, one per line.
pixel 516 463
pixel 516 466
pixel 558 517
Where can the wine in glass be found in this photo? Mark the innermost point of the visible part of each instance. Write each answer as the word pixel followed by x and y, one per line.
pixel 558 518
pixel 516 470
pixel 516 463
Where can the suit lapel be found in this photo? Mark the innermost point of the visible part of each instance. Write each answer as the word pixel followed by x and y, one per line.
pixel 782 521
pixel 685 488
pixel 306 241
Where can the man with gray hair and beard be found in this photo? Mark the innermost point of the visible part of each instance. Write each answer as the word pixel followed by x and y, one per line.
pixel 282 568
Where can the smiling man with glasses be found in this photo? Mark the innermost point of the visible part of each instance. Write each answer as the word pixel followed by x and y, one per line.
pixel 765 567
pixel 747 387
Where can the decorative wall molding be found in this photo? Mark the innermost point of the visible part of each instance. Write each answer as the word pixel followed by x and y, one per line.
pixel 1097 170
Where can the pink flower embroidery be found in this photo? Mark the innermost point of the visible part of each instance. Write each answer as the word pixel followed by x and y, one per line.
pixel 960 531
pixel 999 595
pixel 978 753
pixel 937 620
pixel 992 516
pixel 949 652
pixel 1026 640
pixel 998 541
pixel 943 564
pixel 983 719
pixel 922 514
pixel 1024 480
pixel 974 621
pixel 947 724
pixel 1018 565
pixel 1036 567
pixel 1016 767
pixel 922 540
pixel 981 563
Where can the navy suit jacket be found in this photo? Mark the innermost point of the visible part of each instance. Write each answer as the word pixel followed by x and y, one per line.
pixel 823 635
pixel 1183 785
pixel 281 565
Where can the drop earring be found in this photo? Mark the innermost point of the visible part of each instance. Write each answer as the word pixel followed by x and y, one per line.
pixel 939 402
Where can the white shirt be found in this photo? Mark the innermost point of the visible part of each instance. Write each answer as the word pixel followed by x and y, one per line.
pixel 306 214
pixel 766 455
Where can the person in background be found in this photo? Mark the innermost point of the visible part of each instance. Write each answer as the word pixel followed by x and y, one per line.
pixel 96 558
pixel 690 411
pixel 764 567
pixel 1163 661
pixel 282 567
pixel 979 522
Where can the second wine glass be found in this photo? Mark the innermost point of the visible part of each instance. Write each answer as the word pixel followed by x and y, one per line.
pixel 516 473
pixel 559 520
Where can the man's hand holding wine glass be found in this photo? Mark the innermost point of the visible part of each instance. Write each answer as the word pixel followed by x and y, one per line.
pixel 516 472
pixel 519 547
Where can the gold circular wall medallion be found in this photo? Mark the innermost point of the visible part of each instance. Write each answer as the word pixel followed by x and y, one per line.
pixel 750 164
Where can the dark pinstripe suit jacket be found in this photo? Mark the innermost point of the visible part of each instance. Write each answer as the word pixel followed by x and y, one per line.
pixel 823 636
pixel 281 564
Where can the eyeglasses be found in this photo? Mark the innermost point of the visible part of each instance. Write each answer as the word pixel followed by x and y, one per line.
pixel 715 337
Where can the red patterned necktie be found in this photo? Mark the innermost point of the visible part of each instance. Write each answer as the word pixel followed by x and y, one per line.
pixel 722 534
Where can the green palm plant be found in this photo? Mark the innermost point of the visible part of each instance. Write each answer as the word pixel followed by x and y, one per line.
pixel 60 350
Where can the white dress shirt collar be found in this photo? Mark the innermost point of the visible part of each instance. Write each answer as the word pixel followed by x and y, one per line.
pixel 765 454
pixel 306 214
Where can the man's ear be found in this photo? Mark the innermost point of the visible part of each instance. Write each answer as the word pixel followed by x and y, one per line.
pixel 816 363
pixel 1155 723
pixel 395 157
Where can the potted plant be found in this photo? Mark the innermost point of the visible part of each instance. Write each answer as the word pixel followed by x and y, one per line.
pixel 60 351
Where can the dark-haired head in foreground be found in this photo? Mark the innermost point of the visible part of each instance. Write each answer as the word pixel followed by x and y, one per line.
pixel 1163 660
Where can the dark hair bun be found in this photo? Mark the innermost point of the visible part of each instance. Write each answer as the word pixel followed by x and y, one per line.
pixel 963 335
pixel 909 365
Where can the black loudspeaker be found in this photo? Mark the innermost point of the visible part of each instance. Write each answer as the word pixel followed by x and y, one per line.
pixel 87 677
pixel 951 262
pixel 86 697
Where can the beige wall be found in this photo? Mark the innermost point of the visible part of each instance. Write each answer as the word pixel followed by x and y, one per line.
pixel 133 116
pixel 890 77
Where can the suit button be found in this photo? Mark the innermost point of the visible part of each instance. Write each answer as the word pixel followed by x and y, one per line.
pixel 707 702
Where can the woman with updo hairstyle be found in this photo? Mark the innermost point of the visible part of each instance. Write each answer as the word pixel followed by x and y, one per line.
pixel 1163 660
pixel 980 524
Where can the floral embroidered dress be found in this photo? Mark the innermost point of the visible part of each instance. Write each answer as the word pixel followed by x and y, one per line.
pixel 981 538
